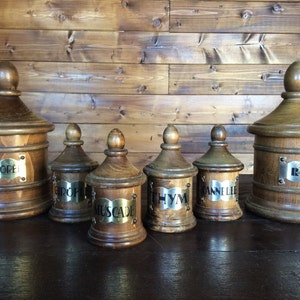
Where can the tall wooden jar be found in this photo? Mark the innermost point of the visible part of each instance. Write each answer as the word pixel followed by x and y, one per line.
pixel 218 181
pixel 276 178
pixel 25 186
pixel 170 188
pixel 116 198
pixel 70 200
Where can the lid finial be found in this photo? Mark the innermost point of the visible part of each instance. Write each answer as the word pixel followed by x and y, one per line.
pixel 73 135
pixel 292 77
pixel 9 77
pixel 218 133
pixel 170 135
pixel 115 139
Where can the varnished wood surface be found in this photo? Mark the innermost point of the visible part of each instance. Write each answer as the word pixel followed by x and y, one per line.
pixel 141 159
pixel 115 15
pixel 226 79
pixel 148 47
pixel 151 109
pixel 154 109
pixel 151 79
pixel 127 63
pixel 250 258
pixel 238 16
pixel 100 78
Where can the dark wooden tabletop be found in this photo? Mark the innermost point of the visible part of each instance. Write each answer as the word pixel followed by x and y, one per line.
pixel 250 258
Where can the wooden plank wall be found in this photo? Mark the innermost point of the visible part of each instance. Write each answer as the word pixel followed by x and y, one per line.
pixel 139 65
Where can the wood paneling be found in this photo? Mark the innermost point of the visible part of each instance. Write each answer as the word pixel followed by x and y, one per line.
pixel 96 77
pixel 139 65
pixel 116 15
pixel 234 16
pixel 226 79
pixel 150 109
pixel 148 47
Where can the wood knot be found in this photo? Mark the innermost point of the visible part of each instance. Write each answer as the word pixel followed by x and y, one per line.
pixel 156 22
pixel 141 89
pixel 124 3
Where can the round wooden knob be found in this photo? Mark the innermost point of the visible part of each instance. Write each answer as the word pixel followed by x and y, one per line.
pixel 73 132
pixel 170 135
pixel 115 139
pixel 73 135
pixel 218 133
pixel 9 77
pixel 292 77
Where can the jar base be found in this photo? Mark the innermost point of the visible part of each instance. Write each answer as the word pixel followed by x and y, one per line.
pixel 117 240
pixel 165 225
pixel 255 205
pixel 70 216
pixel 20 202
pixel 213 214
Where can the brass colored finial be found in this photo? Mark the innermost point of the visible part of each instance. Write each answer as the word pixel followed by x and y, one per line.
pixel 115 139
pixel 73 135
pixel 73 132
pixel 170 135
pixel 292 77
pixel 218 133
pixel 9 78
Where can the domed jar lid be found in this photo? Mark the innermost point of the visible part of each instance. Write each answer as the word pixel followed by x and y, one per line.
pixel 284 121
pixel 15 117
pixel 73 158
pixel 218 158
pixel 170 163
pixel 116 171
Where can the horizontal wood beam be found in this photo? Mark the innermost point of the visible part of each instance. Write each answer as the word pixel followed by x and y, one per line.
pixel 150 109
pixel 148 47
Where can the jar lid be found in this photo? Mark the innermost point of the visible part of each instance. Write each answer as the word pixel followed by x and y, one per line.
pixel 218 158
pixel 73 158
pixel 170 163
pixel 284 121
pixel 15 116
pixel 116 171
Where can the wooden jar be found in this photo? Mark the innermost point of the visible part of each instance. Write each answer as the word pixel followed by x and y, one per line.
pixel 116 198
pixel 218 181
pixel 170 188
pixel 276 178
pixel 25 186
pixel 70 201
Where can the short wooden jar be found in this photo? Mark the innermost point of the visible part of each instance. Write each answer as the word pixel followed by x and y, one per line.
pixel 116 198
pixel 170 188
pixel 71 202
pixel 218 181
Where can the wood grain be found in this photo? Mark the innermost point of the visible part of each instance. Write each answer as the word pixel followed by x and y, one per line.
pixel 151 79
pixel 96 77
pixel 234 16
pixel 150 109
pixel 226 79
pixel 114 15
pixel 148 47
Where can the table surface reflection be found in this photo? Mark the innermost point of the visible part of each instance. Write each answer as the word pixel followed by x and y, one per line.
pixel 250 258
